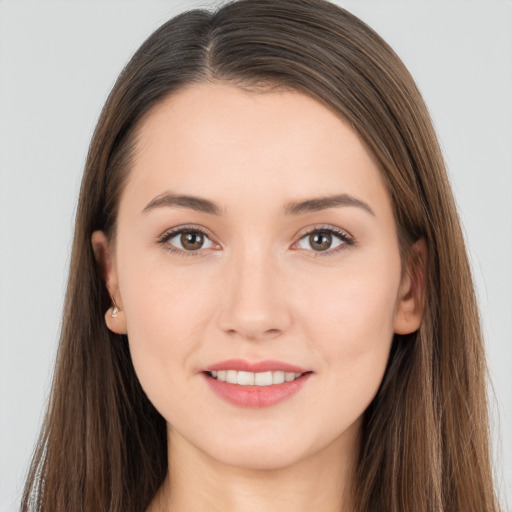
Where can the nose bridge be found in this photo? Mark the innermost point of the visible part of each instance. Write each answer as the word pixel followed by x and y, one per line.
pixel 254 299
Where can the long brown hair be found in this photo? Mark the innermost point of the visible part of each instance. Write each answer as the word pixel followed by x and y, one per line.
pixel 425 440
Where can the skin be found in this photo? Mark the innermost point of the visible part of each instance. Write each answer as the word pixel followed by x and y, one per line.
pixel 257 289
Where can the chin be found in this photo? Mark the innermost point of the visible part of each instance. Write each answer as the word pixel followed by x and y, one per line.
pixel 270 450
pixel 256 458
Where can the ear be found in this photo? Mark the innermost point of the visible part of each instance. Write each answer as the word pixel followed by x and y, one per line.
pixel 412 293
pixel 103 252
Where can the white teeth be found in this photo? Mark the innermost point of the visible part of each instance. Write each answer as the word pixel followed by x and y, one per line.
pixel 245 378
pixel 231 376
pixel 254 379
pixel 263 379
pixel 277 377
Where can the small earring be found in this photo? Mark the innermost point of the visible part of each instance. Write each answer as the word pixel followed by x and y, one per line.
pixel 115 310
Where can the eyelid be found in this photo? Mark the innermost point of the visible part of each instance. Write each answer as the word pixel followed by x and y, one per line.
pixel 171 233
pixel 187 227
pixel 346 238
pixel 342 233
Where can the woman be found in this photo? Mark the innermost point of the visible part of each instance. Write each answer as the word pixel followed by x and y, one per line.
pixel 270 303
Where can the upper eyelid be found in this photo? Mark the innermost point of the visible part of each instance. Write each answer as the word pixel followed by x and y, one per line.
pixel 333 229
pixel 337 231
pixel 171 233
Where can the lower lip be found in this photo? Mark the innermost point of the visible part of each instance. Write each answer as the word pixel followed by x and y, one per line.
pixel 256 396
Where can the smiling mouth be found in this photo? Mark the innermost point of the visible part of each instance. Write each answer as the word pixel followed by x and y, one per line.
pixel 262 379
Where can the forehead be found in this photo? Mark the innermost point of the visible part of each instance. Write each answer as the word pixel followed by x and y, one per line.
pixel 238 146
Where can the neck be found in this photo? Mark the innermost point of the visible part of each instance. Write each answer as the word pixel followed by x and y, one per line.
pixel 196 482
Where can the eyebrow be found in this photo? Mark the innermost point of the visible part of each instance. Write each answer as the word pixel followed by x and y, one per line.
pixel 203 205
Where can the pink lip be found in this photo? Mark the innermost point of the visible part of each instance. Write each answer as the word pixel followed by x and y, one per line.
pixel 255 396
pixel 255 367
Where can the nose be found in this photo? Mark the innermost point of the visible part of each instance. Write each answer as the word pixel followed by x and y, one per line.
pixel 253 299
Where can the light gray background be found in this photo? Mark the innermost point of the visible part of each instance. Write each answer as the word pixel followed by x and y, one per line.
pixel 58 61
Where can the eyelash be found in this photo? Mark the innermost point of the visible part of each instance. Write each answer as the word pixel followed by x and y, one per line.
pixel 347 239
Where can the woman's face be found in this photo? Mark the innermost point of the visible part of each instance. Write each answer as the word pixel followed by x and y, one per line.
pixel 255 233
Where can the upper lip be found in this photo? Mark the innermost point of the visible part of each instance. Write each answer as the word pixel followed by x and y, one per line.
pixel 268 365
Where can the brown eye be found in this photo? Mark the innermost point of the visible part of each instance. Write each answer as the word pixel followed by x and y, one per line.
pixel 320 241
pixel 328 240
pixel 191 240
pixel 186 241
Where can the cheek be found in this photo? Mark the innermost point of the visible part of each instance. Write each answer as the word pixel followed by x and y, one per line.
pixel 354 312
pixel 353 329
pixel 164 321
pixel 161 301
